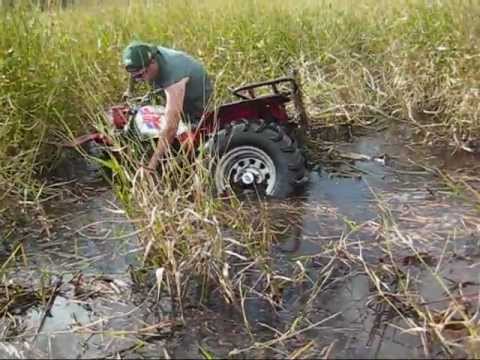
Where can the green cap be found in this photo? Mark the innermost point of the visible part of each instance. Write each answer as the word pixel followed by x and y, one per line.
pixel 137 55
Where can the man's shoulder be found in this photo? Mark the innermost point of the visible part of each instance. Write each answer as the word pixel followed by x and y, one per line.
pixel 171 52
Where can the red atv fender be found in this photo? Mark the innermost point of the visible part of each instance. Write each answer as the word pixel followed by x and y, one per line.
pixel 97 137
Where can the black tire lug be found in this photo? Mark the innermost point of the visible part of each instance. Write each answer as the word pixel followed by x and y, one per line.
pixel 274 141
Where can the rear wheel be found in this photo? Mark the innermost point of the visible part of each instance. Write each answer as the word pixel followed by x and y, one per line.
pixel 255 156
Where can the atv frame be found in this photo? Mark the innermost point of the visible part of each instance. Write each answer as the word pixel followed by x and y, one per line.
pixel 259 120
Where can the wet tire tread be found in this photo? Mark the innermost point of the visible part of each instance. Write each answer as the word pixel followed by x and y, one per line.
pixel 289 153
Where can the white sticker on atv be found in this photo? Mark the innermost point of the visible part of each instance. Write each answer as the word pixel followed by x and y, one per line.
pixel 150 121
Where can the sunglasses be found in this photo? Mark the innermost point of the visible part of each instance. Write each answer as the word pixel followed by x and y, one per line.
pixel 137 73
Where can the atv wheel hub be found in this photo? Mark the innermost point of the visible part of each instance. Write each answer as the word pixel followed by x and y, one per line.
pixel 246 167
pixel 248 178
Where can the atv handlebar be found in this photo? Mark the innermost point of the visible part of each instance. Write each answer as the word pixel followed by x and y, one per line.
pixel 272 83
pixel 142 100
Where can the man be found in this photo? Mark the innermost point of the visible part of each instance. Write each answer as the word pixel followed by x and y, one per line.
pixel 184 80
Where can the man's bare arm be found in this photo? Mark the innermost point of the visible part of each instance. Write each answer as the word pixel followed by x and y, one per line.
pixel 175 95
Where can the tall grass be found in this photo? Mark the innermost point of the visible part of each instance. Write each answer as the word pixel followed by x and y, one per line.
pixel 414 60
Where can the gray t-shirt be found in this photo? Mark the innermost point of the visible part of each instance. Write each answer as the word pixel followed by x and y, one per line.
pixel 174 66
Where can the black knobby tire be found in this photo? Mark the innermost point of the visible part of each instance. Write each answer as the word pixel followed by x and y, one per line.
pixel 262 144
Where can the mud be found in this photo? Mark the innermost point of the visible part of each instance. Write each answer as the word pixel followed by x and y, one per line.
pixel 383 194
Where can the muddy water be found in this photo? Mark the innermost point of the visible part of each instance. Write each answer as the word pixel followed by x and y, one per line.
pixel 83 238
pixel 87 233
pixel 428 218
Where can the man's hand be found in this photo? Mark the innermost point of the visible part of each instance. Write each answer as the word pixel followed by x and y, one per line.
pixel 175 95
pixel 153 163
pixel 144 171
